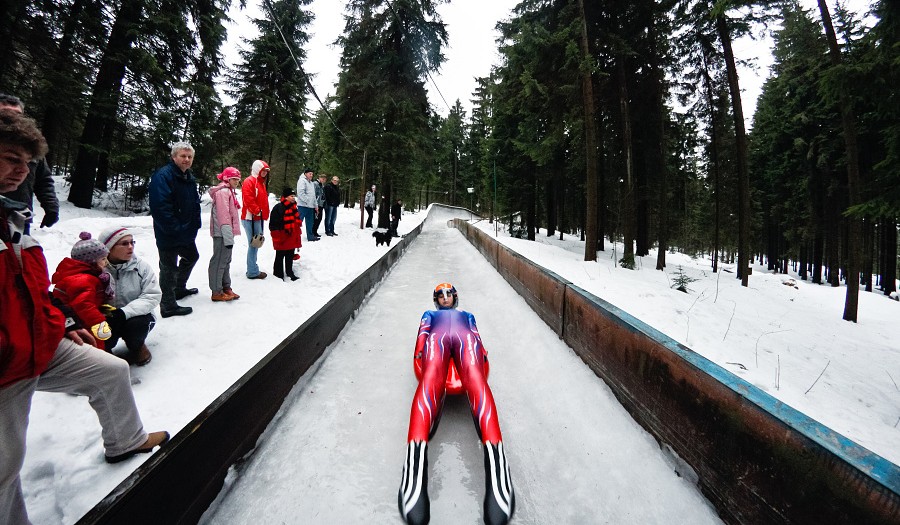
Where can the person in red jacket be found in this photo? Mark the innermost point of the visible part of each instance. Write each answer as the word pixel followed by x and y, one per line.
pixel 285 227
pixel 39 350
pixel 255 212
pixel 82 284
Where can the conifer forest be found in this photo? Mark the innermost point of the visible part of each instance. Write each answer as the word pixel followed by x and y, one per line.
pixel 612 121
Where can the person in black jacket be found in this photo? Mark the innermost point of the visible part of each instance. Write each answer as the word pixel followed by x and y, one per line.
pixel 396 210
pixel 332 201
pixel 39 181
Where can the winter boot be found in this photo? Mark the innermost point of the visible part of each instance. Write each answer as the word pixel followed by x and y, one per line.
pixel 499 499
pixel 412 499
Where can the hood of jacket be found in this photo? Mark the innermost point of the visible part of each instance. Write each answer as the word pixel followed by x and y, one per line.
pixel 69 267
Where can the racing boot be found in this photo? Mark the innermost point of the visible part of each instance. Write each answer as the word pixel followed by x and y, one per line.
pixel 412 499
pixel 499 499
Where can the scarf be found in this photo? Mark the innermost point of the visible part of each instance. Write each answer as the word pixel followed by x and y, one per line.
pixel 291 215
pixel 110 290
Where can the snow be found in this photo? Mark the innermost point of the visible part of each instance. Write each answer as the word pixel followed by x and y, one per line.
pixel 347 422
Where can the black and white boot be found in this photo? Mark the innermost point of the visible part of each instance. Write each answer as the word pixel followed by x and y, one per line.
pixel 413 496
pixel 499 499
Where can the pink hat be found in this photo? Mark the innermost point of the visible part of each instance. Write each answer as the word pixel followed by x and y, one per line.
pixel 229 173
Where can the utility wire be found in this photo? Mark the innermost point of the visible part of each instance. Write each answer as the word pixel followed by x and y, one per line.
pixel 309 85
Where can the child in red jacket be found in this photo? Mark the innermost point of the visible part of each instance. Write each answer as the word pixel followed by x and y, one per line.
pixel 83 285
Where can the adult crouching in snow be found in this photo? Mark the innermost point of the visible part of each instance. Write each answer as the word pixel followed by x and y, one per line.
pixel 224 226
pixel 137 295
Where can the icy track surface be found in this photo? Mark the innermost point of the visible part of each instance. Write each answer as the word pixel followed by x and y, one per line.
pixel 335 451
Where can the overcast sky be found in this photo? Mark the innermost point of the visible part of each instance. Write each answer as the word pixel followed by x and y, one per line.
pixel 472 49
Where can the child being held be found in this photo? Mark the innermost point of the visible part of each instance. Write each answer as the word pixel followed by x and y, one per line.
pixel 83 285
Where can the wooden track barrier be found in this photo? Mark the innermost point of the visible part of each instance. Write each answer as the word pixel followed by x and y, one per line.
pixel 756 459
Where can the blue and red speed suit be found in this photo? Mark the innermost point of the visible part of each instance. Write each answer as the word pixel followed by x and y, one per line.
pixel 444 335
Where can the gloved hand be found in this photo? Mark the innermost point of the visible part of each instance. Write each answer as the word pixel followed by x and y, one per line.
pixel 49 220
pixel 101 331
pixel 107 309
pixel 116 319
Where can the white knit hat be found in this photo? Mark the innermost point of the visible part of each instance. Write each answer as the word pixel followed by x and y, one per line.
pixel 110 236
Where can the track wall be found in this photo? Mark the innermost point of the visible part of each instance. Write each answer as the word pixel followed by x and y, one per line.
pixel 757 459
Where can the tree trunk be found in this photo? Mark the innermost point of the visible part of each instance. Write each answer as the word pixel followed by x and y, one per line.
pixel 590 144
pixel 888 266
pixel 848 123
pixel 741 158
pixel 104 103
pixel 627 196
pixel 714 156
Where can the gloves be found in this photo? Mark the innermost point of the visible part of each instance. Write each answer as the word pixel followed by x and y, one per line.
pixel 116 319
pixel 49 220
pixel 101 331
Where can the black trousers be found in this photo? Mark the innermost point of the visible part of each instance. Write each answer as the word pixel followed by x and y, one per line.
pixel 284 263
pixel 175 265
pixel 318 221
pixel 134 332
pixel 369 212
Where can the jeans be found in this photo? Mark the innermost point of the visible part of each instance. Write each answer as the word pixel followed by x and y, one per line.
pixel 330 216
pixel 251 228
pixel 174 273
pixel 308 215
pixel 369 212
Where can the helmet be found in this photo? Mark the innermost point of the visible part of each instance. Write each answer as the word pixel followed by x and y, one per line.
pixel 446 290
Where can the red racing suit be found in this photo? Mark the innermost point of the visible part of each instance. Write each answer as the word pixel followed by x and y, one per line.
pixel 444 335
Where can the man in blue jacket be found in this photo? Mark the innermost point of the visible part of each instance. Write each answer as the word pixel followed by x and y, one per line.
pixel 175 207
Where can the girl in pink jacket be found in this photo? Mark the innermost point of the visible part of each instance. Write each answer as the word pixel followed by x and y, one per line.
pixel 224 226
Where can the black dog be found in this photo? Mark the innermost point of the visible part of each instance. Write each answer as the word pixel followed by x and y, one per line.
pixel 382 238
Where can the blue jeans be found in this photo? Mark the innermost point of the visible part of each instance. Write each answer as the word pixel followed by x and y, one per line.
pixel 330 216
pixel 251 228
pixel 308 215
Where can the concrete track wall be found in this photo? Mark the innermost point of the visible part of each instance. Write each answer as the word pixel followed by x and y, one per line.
pixel 757 460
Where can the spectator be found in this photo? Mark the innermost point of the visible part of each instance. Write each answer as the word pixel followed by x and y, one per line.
pixel 38 349
pixel 175 207
pixel 82 284
pixel 137 295
pixel 332 201
pixel 306 202
pixel 256 212
pixel 224 226
pixel 285 226
pixel 39 181
pixel 370 206
pixel 320 202
pixel 396 210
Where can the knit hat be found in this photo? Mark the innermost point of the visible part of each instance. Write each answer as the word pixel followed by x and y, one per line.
pixel 307 170
pixel 288 191
pixel 88 250
pixel 229 173
pixel 110 236
pixel 258 166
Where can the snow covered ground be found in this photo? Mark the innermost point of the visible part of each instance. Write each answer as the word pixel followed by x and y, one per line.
pixel 335 452
pixel 781 334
